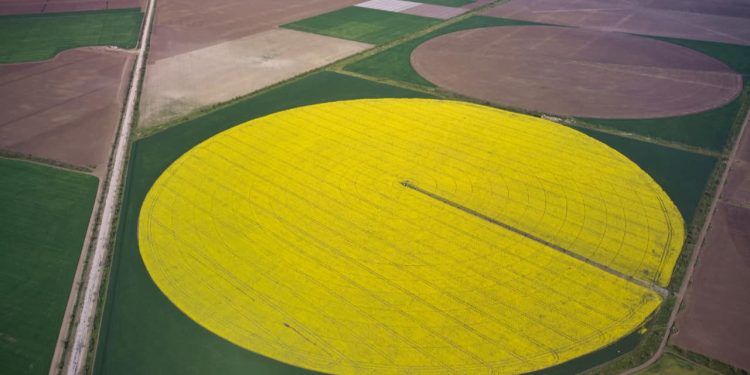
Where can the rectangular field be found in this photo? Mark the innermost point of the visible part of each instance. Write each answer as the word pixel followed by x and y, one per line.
pixel 715 320
pixel 44 214
pixel 363 25
pixel 41 36
pixel 54 6
pixel 66 109
pixel 232 69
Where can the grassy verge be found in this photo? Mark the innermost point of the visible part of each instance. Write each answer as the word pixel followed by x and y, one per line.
pixel 395 63
pixel 363 25
pixel 34 37
pixel 44 214
pixel 671 363
pixel 705 362
pixel 139 321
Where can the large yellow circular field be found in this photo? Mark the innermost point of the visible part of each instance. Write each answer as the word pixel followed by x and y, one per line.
pixel 410 235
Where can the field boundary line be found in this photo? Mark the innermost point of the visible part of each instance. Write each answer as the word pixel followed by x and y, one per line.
pixel 142 132
pixel 571 123
pixel 680 296
pixel 50 163
pixel 642 138
pixel 87 318
pixel 661 291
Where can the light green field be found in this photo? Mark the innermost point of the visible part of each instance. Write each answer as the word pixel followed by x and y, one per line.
pixel 35 37
pixel 44 213
pixel 363 25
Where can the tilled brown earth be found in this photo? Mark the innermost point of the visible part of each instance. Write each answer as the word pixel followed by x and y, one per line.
pixel 576 72
pixel 725 21
pixel 65 109
pixel 715 321
pixel 55 6
pixel 201 55
pixel 186 25
pixel 737 188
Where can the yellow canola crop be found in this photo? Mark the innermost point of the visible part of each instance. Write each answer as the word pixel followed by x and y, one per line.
pixel 298 236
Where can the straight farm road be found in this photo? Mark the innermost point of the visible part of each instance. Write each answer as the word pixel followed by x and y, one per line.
pixel 76 363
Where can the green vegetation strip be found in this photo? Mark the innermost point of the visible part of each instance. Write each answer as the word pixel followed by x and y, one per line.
pixel 673 364
pixel 363 25
pixel 35 37
pixel 44 215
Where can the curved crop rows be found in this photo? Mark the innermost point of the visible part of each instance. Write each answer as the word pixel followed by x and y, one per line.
pixel 297 236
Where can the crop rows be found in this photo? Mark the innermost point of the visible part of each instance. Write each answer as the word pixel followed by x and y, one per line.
pixel 294 237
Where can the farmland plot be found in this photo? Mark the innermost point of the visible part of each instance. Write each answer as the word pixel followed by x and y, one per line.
pixel 409 235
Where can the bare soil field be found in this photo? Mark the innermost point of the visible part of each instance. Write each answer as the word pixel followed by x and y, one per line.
pixel 737 188
pixel 435 11
pixel 66 109
pixel 8 7
pixel 576 72
pixel 203 55
pixel 715 321
pixel 177 85
pixel 726 21
pixel 186 25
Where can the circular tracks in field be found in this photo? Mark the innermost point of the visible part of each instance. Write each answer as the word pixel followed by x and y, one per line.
pixel 409 235
pixel 576 72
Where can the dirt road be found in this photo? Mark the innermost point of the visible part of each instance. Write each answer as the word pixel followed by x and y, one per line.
pixel 87 316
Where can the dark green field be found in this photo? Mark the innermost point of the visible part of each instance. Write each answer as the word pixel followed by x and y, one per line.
pixel 42 36
pixel 363 25
pixel 44 214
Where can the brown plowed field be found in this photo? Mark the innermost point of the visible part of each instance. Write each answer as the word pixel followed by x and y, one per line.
pixel 67 108
pixel 186 25
pixel 726 21
pixel 715 321
pixel 576 72
pixel 737 187
pixel 54 6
